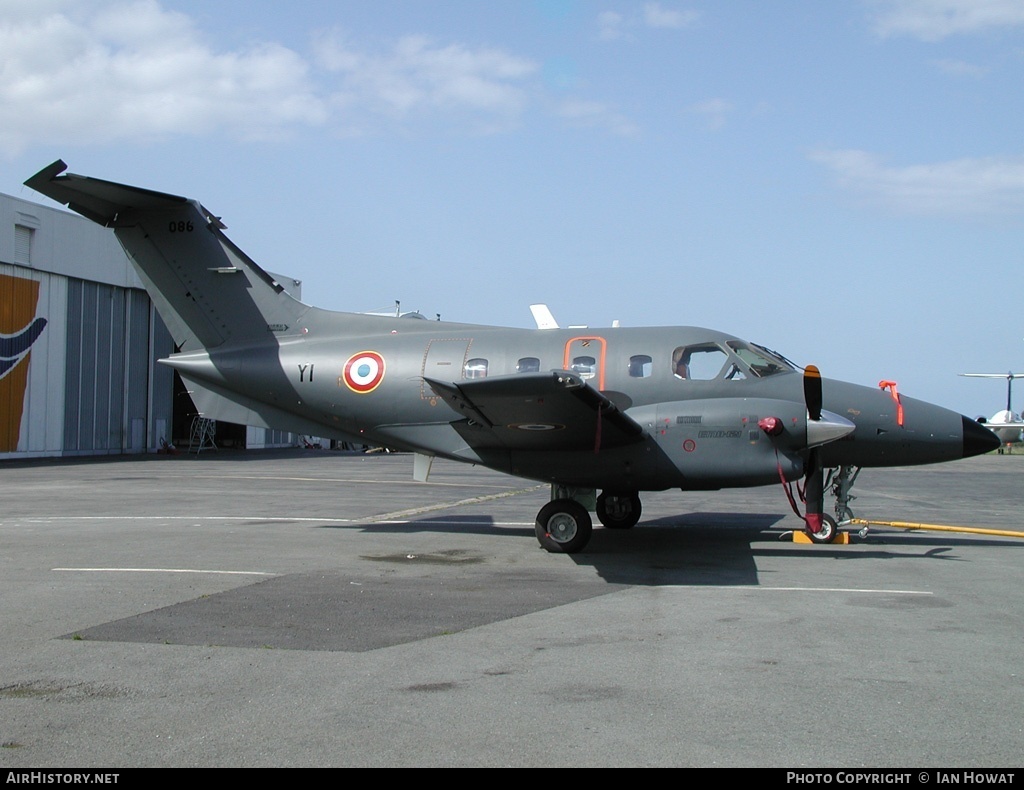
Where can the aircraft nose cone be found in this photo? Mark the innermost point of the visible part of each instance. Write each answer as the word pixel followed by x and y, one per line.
pixel 978 439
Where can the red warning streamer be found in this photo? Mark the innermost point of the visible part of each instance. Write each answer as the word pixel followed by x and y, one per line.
pixel 891 386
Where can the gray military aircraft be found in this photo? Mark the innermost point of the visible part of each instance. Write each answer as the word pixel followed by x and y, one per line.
pixel 622 410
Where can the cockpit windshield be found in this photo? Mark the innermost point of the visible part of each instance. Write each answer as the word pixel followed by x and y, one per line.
pixel 734 361
pixel 761 361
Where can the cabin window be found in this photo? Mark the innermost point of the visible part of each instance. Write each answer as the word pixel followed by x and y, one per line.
pixel 584 366
pixel 528 365
pixel 475 369
pixel 640 366
pixel 698 363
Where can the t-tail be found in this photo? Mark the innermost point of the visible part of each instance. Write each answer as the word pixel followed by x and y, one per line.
pixel 208 292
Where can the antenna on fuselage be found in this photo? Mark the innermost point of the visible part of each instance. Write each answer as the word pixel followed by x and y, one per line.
pixel 542 316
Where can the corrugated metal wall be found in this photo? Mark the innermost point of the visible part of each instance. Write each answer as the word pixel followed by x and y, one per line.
pixel 107 370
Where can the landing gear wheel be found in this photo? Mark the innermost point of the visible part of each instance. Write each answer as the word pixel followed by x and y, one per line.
pixel 828 533
pixel 618 511
pixel 563 526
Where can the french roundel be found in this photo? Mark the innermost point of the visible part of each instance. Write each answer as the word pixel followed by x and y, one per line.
pixel 364 371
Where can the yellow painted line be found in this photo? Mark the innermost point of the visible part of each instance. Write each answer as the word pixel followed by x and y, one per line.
pixel 1003 533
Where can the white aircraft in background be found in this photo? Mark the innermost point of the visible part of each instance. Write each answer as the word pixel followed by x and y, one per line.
pixel 1009 427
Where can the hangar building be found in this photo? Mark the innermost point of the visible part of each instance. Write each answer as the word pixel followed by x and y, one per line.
pixel 79 340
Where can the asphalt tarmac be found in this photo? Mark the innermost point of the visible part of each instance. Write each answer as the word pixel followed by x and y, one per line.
pixel 316 608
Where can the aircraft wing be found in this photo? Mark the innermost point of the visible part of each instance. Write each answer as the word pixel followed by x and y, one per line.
pixel 556 410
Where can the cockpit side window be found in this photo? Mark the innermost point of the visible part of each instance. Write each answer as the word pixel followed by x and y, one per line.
pixel 699 363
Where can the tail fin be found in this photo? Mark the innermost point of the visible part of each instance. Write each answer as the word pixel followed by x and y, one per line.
pixel 207 291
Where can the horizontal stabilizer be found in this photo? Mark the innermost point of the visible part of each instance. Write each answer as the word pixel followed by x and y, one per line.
pixel 98 200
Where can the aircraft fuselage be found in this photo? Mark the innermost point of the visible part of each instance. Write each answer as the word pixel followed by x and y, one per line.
pixel 367 380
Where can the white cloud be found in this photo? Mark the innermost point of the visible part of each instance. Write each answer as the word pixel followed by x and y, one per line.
pixel 12 10
pixel 97 71
pixel 613 26
pixel 133 70
pixel 585 113
pixel 713 111
pixel 418 74
pixel 934 20
pixel 989 185
pixel 960 68
pixel 656 16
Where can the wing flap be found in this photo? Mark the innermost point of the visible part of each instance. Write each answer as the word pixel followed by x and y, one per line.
pixel 557 410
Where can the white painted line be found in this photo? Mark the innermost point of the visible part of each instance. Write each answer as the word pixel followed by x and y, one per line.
pixel 368 520
pixel 760 588
pixel 50 520
pixel 404 481
pixel 398 514
pixel 164 570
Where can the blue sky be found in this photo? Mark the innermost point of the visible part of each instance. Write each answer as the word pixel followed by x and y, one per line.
pixel 841 181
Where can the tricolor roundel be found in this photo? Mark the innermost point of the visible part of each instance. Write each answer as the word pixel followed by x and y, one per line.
pixel 364 372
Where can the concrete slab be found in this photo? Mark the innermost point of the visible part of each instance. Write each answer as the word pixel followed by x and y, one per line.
pixel 307 608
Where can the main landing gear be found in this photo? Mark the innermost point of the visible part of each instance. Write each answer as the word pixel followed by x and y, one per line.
pixel 618 511
pixel 564 525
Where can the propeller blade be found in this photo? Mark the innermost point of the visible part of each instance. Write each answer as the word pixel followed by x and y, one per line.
pixel 812 392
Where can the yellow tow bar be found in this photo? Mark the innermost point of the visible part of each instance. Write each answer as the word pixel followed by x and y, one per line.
pixel 1003 533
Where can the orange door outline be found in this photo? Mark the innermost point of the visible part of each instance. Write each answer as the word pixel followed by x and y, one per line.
pixel 601 356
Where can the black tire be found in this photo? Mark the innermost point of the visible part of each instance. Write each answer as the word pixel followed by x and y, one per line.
pixel 618 511
pixel 828 533
pixel 563 526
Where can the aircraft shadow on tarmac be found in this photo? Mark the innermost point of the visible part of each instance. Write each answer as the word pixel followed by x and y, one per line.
pixel 691 549
pixel 703 548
